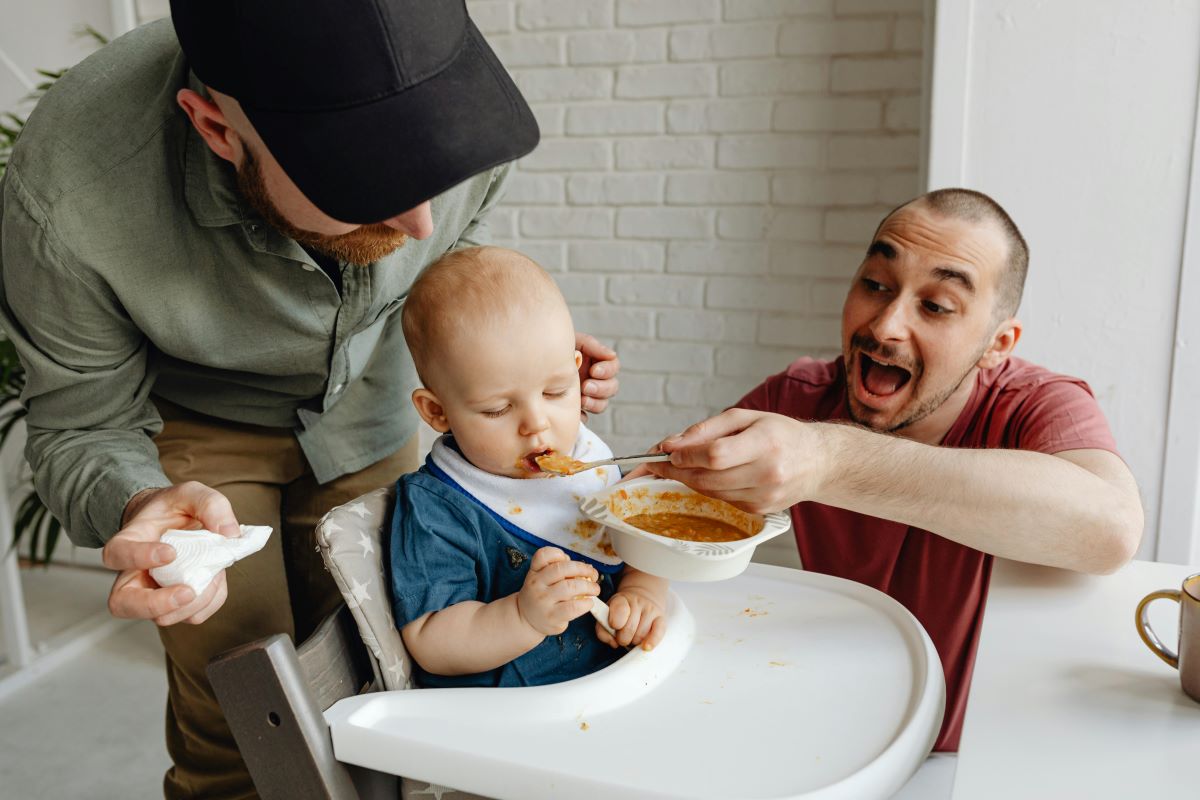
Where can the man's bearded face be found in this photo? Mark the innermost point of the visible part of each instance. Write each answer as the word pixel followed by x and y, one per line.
pixel 361 246
pixel 884 371
pixel 918 318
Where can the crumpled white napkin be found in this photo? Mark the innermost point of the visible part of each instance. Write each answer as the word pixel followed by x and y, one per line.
pixel 200 555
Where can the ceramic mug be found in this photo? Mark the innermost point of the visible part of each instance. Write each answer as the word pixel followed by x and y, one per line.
pixel 1187 658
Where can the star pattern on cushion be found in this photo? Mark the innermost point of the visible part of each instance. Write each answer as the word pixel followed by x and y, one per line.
pixel 358 592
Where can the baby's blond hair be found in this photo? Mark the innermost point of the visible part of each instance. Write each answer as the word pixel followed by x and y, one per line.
pixel 467 289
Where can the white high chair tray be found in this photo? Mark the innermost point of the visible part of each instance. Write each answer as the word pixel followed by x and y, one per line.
pixel 775 684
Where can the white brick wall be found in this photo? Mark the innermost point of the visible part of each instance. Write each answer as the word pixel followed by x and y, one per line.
pixel 715 170
pixel 708 176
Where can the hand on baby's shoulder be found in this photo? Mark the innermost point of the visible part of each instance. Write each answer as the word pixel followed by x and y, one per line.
pixel 638 616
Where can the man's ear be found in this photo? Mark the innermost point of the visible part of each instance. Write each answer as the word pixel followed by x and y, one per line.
pixel 430 409
pixel 211 123
pixel 1003 341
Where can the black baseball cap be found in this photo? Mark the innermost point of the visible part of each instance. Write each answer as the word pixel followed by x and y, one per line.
pixel 370 106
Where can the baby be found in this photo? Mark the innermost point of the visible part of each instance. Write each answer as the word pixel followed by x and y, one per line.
pixel 492 566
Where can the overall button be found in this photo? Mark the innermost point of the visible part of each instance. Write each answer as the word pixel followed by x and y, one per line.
pixel 338 388
pixel 309 268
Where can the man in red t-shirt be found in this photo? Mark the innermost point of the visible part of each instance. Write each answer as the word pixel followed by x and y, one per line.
pixel 944 449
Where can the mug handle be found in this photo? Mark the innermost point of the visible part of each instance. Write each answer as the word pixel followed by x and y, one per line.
pixel 1142 620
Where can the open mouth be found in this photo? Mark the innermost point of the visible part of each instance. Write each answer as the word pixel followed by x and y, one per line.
pixel 880 379
pixel 529 460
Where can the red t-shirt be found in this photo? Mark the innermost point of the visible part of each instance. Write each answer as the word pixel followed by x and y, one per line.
pixel 1016 405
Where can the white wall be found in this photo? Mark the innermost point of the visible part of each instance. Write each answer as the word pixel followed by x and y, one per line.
pixel 709 175
pixel 1078 117
pixel 44 35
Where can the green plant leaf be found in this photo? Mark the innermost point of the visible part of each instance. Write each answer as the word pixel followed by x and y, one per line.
pixel 21 524
pixel 34 520
pixel 88 32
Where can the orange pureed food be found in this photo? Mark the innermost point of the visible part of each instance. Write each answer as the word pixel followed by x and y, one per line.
pixel 557 463
pixel 682 515
pixel 687 526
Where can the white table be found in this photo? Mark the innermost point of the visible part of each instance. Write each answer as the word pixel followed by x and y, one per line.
pixel 1066 700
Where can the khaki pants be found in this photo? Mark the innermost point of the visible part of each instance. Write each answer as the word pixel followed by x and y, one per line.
pixel 284 588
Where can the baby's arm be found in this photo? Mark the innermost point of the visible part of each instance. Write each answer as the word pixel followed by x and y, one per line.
pixel 637 611
pixel 471 636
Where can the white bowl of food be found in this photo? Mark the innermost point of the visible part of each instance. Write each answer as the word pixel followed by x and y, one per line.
pixel 664 528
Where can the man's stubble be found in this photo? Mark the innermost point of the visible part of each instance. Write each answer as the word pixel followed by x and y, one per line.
pixel 360 246
pixel 924 407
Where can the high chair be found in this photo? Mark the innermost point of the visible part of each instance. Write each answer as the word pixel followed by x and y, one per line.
pixel 274 694
pixel 776 684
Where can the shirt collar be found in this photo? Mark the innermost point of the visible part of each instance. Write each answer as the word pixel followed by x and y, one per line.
pixel 210 184
pixel 210 187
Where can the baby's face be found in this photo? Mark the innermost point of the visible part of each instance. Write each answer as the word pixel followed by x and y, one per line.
pixel 510 392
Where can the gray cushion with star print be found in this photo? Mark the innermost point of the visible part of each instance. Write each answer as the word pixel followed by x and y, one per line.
pixel 349 538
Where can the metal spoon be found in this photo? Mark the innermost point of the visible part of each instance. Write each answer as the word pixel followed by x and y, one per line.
pixel 557 465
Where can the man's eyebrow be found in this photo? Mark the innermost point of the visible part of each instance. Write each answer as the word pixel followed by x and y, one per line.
pixel 881 248
pixel 956 275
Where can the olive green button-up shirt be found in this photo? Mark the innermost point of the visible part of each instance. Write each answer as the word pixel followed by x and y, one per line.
pixel 131 268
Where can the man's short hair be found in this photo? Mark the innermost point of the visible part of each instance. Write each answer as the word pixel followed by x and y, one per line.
pixel 973 206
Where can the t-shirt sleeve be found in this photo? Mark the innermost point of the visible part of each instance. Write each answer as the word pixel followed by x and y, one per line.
pixel 1061 415
pixel 765 396
pixel 433 554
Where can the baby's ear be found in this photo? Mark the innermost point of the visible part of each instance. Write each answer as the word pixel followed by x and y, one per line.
pixel 578 359
pixel 430 409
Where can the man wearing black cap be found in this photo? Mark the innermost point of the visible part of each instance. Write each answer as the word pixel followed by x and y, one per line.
pixel 206 232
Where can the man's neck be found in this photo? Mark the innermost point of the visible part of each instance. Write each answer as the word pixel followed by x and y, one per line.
pixel 933 428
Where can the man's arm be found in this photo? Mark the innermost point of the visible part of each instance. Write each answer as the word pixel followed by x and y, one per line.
pixel 90 417
pixel 87 389
pixel 1077 509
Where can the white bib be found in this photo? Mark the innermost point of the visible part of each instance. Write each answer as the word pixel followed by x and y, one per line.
pixel 542 511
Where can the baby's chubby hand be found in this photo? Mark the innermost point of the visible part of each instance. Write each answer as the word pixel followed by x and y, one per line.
pixel 637 617
pixel 556 591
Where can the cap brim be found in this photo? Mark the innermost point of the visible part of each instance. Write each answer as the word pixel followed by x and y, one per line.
pixel 371 162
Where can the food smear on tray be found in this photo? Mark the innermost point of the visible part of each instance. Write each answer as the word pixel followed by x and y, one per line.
pixel 691 527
